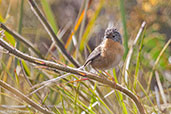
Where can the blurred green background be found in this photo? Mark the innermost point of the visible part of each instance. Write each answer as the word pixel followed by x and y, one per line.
pixel 80 34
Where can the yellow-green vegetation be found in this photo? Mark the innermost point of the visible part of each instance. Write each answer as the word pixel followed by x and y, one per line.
pixel 65 32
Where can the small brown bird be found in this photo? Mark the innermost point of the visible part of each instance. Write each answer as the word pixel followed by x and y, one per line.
pixel 109 53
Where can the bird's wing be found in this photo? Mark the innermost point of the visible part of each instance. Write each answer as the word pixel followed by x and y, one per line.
pixel 95 53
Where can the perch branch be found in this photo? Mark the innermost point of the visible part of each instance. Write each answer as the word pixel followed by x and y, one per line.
pixel 75 71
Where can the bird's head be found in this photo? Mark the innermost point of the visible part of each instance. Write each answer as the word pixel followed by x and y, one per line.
pixel 112 33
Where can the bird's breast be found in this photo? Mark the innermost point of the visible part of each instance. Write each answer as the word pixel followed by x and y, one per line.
pixel 110 56
pixel 112 53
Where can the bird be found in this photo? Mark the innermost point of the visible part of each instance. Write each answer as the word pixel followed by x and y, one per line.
pixel 108 53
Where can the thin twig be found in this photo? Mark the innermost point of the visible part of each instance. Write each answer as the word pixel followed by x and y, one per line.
pixel 21 38
pixel 51 33
pixel 25 75
pixel 75 71
pixel 48 83
pixel 30 84
pixel 25 98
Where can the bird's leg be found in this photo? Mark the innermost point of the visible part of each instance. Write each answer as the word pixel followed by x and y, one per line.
pixel 101 73
pixel 109 76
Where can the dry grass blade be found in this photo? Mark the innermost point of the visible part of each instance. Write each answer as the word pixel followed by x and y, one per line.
pixel 75 29
pixel 48 83
pixel 90 25
pixel 131 51
pixel 25 98
pixel 156 62
pixel 160 87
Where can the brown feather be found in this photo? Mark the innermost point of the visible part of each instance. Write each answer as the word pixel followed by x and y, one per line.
pixel 95 53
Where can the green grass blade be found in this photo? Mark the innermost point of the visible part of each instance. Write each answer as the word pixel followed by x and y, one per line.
pixel 123 17
pixel 138 62
pixel 90 25
pixel 19 28
pixel 26 68
pixel 49 15
pixel 120 96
